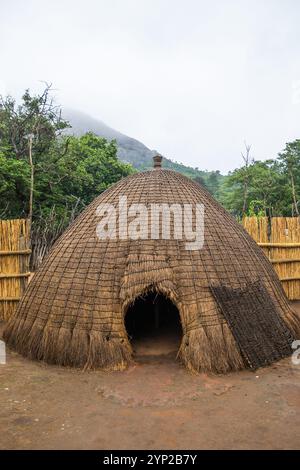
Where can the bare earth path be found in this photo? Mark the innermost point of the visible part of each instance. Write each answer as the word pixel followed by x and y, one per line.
pixel 156 404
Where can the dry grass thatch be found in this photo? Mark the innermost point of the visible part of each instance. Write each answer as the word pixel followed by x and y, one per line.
pixel 14 264
pixel 73 310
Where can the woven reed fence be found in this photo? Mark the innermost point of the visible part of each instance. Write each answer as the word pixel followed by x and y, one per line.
pixel 14 264
pixel 279 237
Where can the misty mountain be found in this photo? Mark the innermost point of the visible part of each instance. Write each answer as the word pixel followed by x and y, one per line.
pixel 129 150
pixel 132 151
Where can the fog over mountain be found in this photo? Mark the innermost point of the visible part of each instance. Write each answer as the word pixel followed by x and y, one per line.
pixel 130 150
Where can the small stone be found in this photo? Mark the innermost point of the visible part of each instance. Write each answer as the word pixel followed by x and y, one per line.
pixel 36 419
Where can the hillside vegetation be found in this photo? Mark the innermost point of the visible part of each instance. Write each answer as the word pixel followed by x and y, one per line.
pixel 130 150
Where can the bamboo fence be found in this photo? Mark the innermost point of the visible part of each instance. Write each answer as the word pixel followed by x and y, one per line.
pixel 14 263
pixel 279 237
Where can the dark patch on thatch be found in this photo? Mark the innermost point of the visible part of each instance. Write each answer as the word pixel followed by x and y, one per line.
pixel 263 337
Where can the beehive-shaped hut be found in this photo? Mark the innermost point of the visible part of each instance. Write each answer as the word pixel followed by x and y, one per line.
pixel 233 310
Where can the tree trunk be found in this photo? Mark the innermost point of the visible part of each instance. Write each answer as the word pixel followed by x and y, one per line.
pixel 294 194
pixel 31 183
pixel 245 197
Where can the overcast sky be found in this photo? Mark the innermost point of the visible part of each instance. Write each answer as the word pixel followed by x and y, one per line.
pixel 190 78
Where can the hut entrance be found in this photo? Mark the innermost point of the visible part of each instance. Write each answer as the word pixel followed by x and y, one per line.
pixel 153 326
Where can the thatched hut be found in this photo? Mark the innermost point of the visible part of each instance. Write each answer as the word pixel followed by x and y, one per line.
pixel 232 308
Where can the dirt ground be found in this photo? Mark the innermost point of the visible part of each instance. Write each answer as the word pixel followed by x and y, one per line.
pixel 155 404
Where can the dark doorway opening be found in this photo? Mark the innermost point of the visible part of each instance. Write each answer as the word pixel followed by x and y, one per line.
pixel 153 326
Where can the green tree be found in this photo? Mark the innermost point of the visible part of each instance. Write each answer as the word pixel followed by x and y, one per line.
pixel 266 190
pixel 88 167
pixel 67 169
pixel 27 133
pixel 213 182
pixel 45 174
pixel 14 187
pixel 290 162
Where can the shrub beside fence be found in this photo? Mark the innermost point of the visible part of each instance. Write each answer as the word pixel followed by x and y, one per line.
pixel 279 237
pixel 14 263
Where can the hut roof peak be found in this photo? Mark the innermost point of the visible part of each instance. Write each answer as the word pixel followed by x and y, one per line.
pixel 157 159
